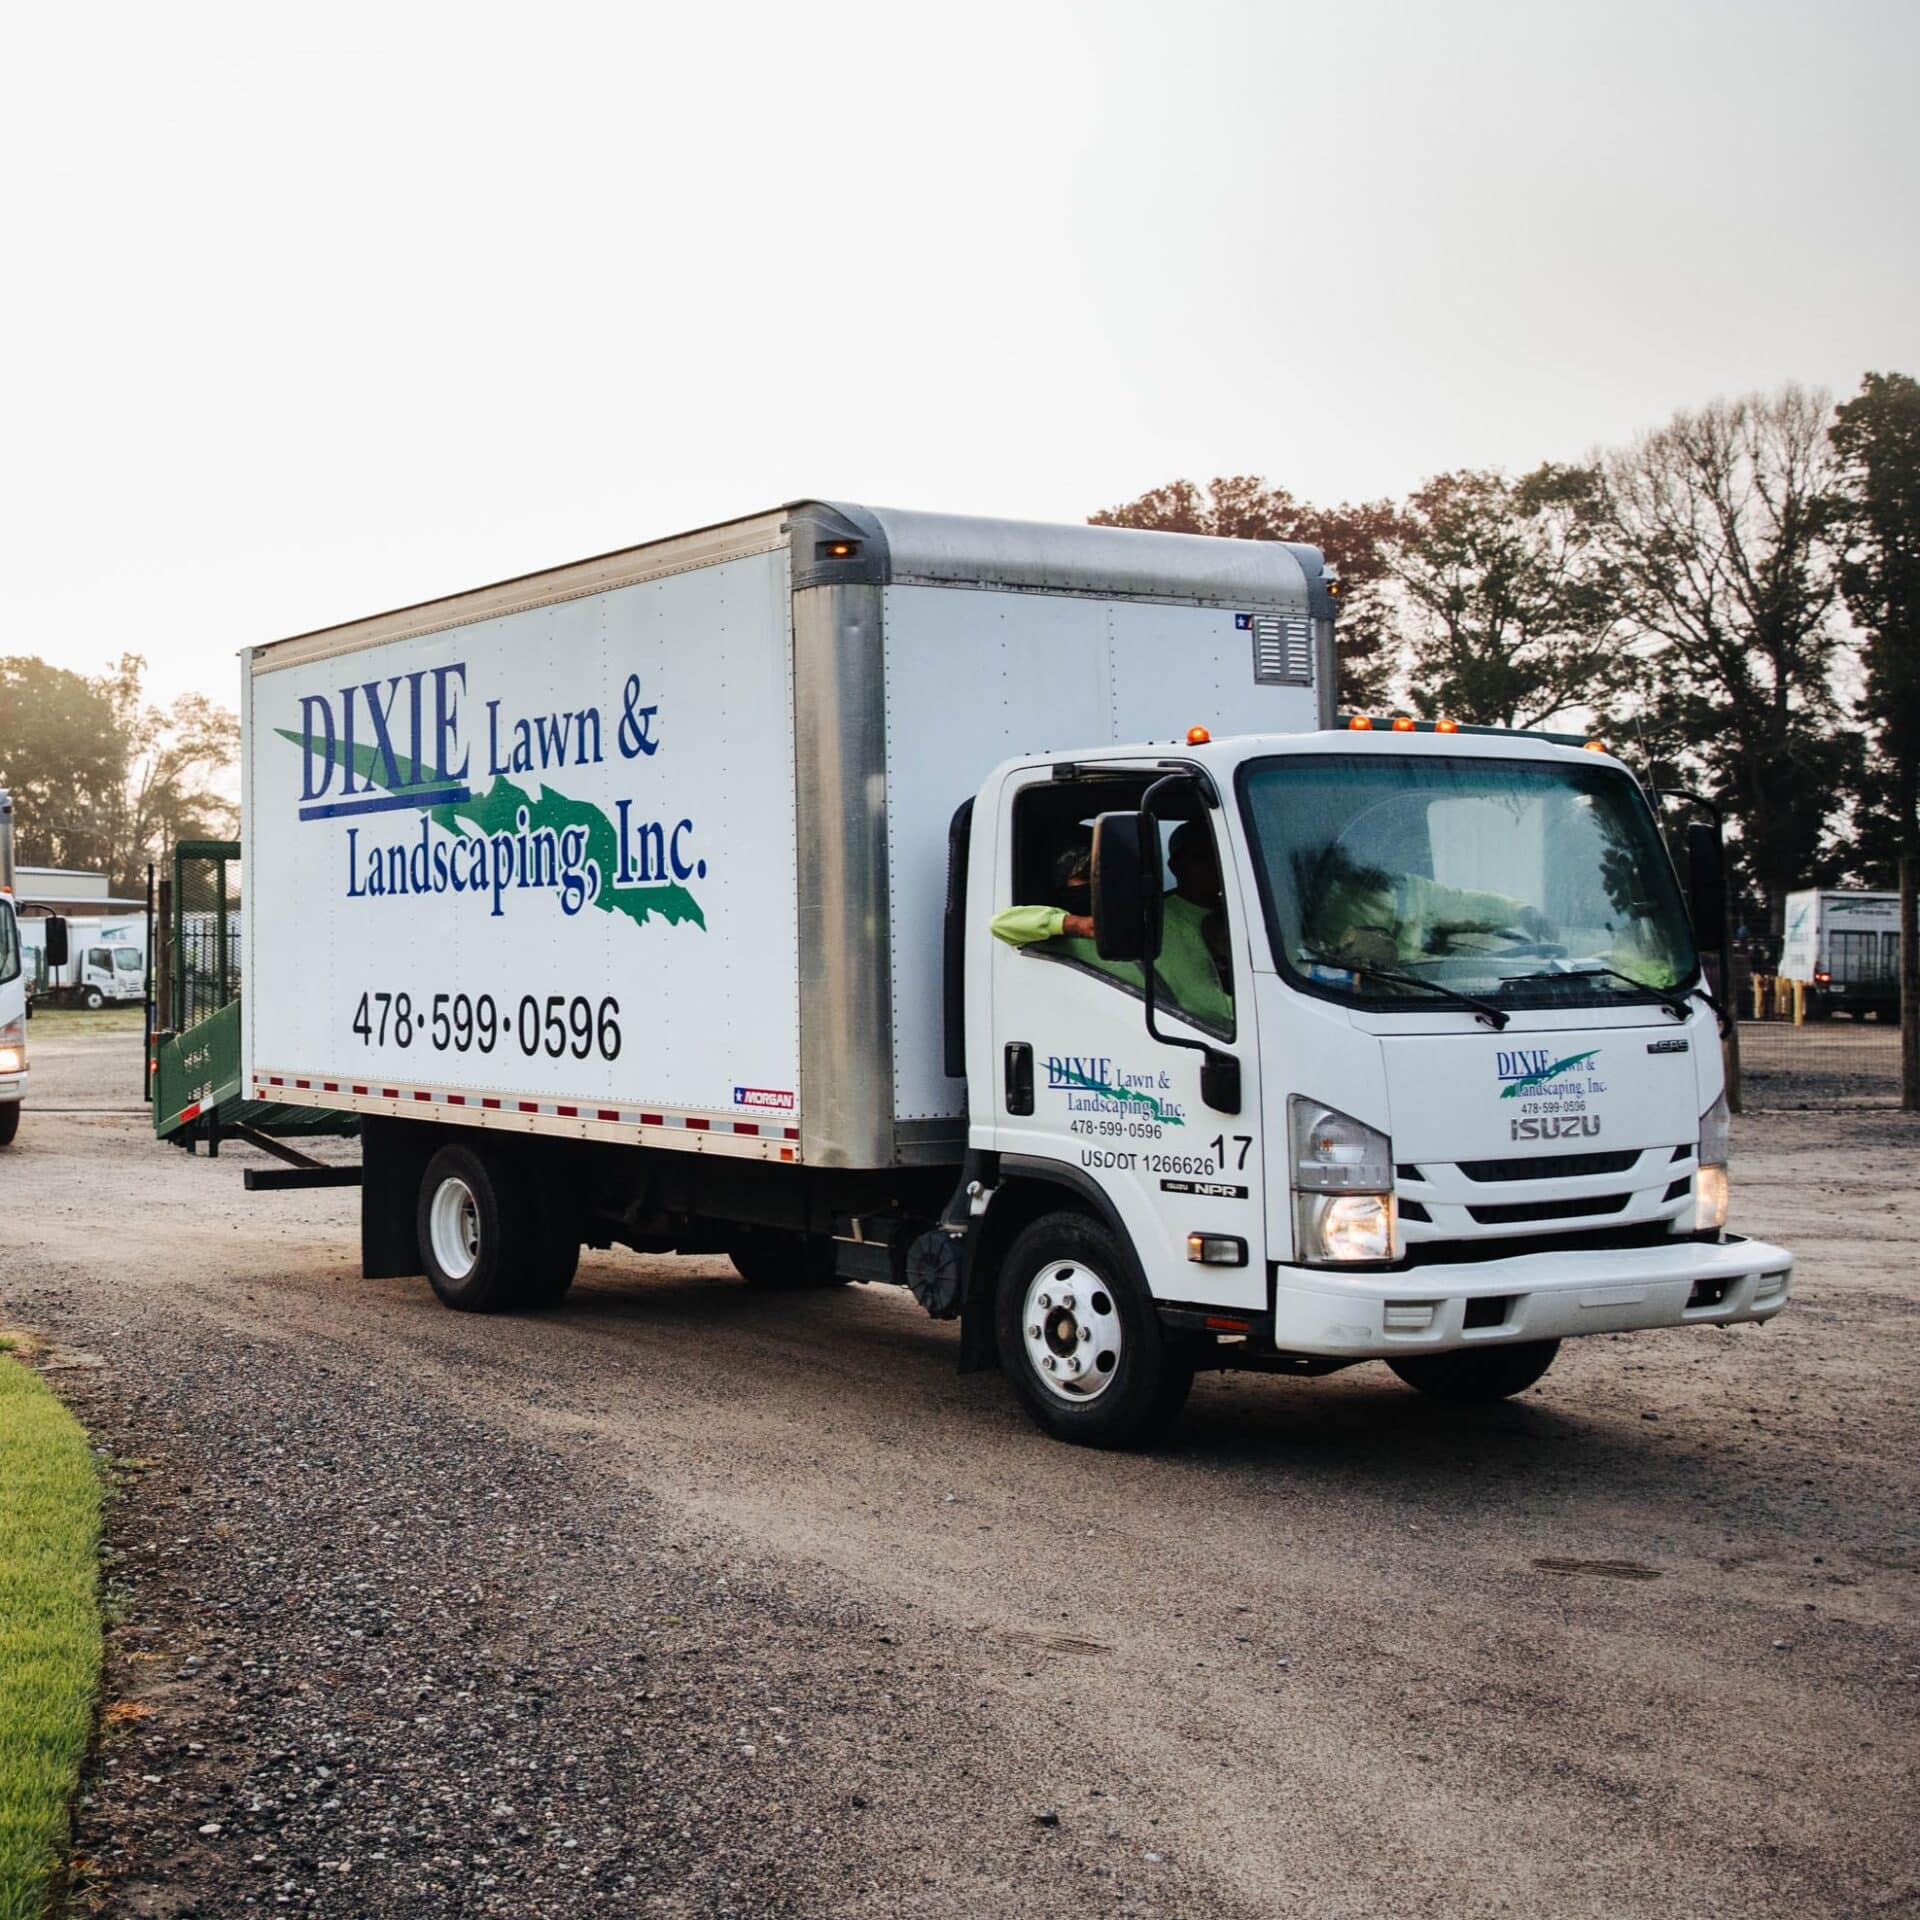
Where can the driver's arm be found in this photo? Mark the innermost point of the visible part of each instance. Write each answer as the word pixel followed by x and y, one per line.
pixel 1427 908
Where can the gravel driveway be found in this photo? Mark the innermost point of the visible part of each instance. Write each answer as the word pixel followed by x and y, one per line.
pixel 686 1601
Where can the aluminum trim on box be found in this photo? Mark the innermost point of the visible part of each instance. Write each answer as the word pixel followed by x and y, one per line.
pixel 840 775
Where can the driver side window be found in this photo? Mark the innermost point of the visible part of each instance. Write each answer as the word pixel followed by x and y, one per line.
pixel 1052 857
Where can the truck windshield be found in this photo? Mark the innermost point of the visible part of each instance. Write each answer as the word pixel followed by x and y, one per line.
pixel 126 959
pixel 1527 883
pixel 9 942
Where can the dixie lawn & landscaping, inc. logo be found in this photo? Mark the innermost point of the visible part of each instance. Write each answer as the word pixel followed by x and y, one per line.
pixel 377 747
pixel 1534 1070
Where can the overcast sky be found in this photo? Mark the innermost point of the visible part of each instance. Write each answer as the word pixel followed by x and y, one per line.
pixel 313 311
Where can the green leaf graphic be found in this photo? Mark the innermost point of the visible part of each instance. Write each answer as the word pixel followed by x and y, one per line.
pixel 496 811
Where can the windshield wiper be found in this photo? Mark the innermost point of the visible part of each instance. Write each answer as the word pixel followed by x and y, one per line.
pixel 1480 1009
pixel 1675 1004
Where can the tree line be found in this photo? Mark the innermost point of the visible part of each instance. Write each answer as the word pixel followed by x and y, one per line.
pixel 103 780
pixel 1735 595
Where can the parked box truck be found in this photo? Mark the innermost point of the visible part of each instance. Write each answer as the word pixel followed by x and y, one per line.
pixel 1845 948
pixel 105 963
pixel 729 894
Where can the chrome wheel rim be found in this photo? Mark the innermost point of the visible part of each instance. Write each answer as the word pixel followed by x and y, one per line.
pixel 453 1224
pixel 1070 1326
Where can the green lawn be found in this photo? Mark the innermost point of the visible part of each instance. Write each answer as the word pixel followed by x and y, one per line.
pixel 49 1630
pixel 58 1023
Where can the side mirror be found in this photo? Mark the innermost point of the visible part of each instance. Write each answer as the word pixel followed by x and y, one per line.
pixel 1126 886
pixel 1706 882
pixel 56 940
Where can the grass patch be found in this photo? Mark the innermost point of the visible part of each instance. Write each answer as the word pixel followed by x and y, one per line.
pixel 64 1023
pixel 49 1630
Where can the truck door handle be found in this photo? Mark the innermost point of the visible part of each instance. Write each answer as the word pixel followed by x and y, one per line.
pixel 1019 1077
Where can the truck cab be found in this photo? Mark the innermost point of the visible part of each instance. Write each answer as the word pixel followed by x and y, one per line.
pixel 1388 1045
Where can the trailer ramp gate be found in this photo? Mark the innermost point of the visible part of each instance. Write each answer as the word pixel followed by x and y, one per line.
pixel 195 1054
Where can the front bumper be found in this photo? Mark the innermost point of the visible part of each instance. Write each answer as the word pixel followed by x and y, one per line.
pixel 1539 1296
pixel 13 1086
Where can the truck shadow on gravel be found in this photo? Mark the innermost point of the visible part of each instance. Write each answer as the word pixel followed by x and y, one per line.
pixel 1361 1430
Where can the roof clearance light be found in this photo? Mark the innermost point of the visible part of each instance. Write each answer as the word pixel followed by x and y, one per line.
pixel 1198 736
pixel 1596 746
pixel 1446 726
pixel 1401 724
pixel 841 549
pixel 1359 724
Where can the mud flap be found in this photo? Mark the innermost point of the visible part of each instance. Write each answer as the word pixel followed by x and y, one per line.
pixel 393 1161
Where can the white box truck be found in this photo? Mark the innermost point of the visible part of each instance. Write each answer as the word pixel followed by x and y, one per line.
pixel 1845 947
pixel 732 894
pixel 105 963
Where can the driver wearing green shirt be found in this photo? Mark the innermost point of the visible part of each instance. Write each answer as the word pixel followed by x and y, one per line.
pixel 1192 969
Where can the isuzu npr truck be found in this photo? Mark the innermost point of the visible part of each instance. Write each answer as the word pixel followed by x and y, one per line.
pixel 731 894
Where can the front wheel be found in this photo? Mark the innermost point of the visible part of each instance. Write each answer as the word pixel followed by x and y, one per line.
pixel 1478 1373
pixel 93 999
pixel 1080 1338
pixel 9 1122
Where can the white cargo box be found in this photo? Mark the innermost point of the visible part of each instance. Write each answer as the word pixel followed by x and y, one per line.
pixel 653 847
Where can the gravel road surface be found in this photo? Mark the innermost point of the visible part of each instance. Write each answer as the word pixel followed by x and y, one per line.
pixel 687 1601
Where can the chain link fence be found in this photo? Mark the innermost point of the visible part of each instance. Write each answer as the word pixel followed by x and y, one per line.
pixel 1804 1048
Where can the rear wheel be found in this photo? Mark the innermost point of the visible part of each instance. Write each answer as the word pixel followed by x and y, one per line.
pixel 9 1122
pixel 1478 1373
pixel 1080 1339
pixel 771 1261
pixel 477 1233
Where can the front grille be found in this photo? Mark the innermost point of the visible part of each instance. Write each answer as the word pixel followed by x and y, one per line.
pixel 1607 1239
pixel 1515 1212
pixel 1556 1166
pixel 1282 651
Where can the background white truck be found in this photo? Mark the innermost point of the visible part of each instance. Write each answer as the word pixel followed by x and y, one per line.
pixel 105 962
pixel 13 984
pixel 1845 947
pixel 650 900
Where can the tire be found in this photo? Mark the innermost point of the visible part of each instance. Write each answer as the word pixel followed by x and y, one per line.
pixel 771 1261
pixel 478 1236
pixel 1478 1373
pixel 1133 1385
pixel 93 999
pixel 9 1122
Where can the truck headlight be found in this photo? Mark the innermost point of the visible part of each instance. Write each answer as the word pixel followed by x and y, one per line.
pixel 1710 1192
pixel 13 1046
pixel 1342 1187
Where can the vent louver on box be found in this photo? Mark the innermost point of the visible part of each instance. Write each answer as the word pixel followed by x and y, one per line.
pixel 1282 651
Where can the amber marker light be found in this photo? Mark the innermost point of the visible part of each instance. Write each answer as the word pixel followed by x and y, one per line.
pixel 1446 726
pixel 1198 736
pixel 1596 746
pixel 1359 724
pixel 841 549
pixel 1401 724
